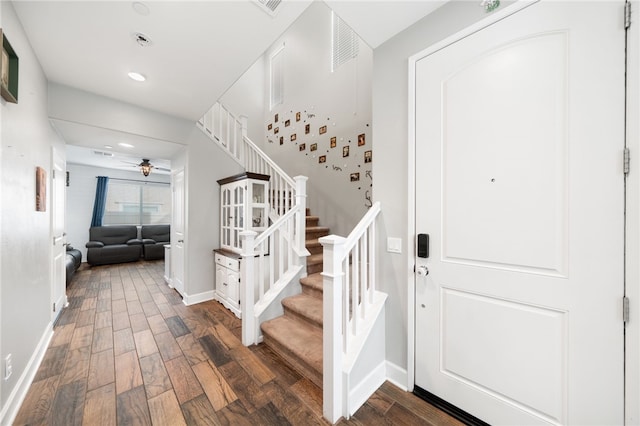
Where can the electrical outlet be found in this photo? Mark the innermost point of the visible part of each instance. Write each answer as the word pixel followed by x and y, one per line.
pixel 8 368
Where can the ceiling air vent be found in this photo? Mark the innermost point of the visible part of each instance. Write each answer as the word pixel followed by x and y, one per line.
pixel 103 153
pixel 268 6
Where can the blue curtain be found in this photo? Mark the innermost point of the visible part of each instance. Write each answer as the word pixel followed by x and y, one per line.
pixel 100 202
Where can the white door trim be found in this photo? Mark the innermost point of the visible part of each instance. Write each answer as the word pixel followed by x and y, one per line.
pixel 632 260
pixel 411 167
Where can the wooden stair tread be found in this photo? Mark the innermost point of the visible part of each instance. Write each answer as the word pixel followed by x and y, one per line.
pixel 306 307
pixel 314 259
pixel 313 280
pixel 312 229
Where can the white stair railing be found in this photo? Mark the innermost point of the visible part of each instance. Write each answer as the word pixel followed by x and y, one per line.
pixel 351 305
pixel 275 257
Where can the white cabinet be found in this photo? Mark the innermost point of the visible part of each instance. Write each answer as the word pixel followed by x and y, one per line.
pixel 243 206
pixel 228 280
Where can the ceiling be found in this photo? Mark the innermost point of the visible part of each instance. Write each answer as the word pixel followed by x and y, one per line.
pixel 197 50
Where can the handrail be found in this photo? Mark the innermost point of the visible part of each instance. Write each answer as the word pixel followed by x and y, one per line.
pixel 361 227
pixel 269 161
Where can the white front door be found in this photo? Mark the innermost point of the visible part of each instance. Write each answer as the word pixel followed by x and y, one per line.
pixel 177 232
pixel 58 279
pixel 519 184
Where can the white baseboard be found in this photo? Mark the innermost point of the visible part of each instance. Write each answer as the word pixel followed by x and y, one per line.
pixel 363 390
pixel 189 299
pixel 19 392
pixel 397 376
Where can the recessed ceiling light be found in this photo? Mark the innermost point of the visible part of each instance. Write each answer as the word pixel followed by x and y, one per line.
pixel 136 76
pixel 141 8
pixel 125 145
pixel 108 146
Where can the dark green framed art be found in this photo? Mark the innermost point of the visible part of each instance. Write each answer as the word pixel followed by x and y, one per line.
pixel 8 71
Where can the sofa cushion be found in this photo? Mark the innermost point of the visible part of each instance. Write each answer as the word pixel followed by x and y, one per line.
pixel 94 244
pixel 118 234
pixel 157 233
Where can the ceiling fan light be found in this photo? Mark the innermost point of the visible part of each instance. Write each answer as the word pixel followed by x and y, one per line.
pixel 145 167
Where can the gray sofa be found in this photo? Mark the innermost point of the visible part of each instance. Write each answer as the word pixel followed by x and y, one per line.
pixel 113 244
pixel 154 237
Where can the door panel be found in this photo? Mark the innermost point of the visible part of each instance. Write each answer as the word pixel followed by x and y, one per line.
pixel 519 140
pixel 58 281
pixel 178 232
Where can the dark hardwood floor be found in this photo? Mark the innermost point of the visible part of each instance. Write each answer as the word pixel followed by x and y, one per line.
pixel 127 351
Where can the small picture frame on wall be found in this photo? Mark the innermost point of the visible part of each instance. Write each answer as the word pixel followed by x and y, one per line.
pixel 270 126
pixel 307 129
pixel 41 189
pixel 293 137
pixel 367 156
pixel 276 130
pixel 297 116
pixel 333 142
pixel 302 147
pixel 8 71
pixel 275 118
pixel 354 177
pixel 361 139
pixel 322 130
pixel 345 151
pixel 287 123
pixel 322 159
pixel 313 147
pixel 281 140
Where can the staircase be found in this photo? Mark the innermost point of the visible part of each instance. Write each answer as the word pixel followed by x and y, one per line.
pixel 297 335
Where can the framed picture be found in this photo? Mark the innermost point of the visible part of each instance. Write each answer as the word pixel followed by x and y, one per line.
pixel 297 116
pixel 367 156
pixel 270 126
pixel 361 139
pixel 302 147
pixel 8 71
pixel 322 159
pixel 275 118
pixel 276 130
pixel 307 129
pixel 293 137
pixel 281 140
pixel 287 123
pixel 313 147
pixel 41 189
pixel 345 151
pixel 323 130
pixel 355 177
pixel 333 142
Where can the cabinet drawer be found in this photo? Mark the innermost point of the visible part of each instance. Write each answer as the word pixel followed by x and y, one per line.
pixel 227 262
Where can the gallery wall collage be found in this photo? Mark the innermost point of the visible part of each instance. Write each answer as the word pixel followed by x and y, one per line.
pixel 313 137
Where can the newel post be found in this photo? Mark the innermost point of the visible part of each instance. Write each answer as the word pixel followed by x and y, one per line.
pixel 247 287
pixel 332 392
pixel 301 202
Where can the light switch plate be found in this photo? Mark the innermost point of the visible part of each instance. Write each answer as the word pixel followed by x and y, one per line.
pixel 394 245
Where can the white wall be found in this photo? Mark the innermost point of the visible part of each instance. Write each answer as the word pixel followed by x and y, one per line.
pixel 340 100
pixel 390 102
pixel 81 194
pixel 25 248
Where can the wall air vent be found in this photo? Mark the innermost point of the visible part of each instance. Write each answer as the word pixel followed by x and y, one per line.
pixel 103 153
pixel 344 41
pixel 269 6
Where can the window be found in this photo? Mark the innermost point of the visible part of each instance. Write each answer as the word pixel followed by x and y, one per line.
pixel 276 68
pixel 137 203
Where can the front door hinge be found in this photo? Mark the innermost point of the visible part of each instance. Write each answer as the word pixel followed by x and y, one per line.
pixel 627 15
pixel 53 172
pixel 54 306
pixel 626 160
pixel 625 309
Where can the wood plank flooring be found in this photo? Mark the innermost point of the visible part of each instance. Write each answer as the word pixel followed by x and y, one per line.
pixel 127 351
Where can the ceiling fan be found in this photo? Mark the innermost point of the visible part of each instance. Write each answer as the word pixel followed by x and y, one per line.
pixel 146 166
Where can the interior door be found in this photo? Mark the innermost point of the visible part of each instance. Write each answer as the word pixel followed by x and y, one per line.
pixel 178 232
pixel 58 280
pixel 519 184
